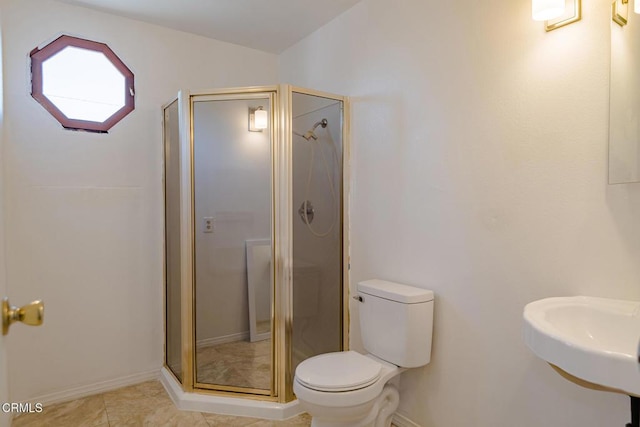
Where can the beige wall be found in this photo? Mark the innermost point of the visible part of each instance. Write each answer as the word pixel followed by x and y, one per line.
pixel 84 211
pixel 480 171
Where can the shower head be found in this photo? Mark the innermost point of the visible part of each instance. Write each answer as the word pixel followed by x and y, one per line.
pixel 323 123
pixel 310 134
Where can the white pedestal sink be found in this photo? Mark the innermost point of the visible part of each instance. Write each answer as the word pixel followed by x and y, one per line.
pixel 594 340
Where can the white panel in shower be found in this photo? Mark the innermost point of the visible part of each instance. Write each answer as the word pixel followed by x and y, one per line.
pixel 259 288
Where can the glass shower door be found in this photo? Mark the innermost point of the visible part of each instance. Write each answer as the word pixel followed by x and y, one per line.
pixel 233 229
pixel 317 147
pixel 173 321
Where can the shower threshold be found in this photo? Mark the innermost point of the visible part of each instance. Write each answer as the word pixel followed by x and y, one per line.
pixel 240 407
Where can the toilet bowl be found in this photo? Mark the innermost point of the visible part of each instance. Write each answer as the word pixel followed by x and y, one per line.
pixel 349 389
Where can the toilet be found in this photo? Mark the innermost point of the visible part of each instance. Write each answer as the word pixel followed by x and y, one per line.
pixel 349 389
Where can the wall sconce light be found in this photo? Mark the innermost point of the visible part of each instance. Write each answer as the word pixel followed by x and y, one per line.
pixel 258 119
pixel 556 13
pixel 620 11
pixel 636 6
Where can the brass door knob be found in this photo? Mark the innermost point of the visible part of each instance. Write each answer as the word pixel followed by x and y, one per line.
pixel 30 314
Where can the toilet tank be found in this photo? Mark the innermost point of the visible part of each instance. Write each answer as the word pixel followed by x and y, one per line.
pixel 396 322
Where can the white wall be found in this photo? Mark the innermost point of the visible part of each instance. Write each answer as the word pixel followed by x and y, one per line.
pixel 480 171
pixel 84 211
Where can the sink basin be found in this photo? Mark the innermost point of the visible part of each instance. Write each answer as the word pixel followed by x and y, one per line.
pixel 594 340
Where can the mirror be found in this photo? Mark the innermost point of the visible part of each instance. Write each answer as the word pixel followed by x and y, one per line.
pixel 624 124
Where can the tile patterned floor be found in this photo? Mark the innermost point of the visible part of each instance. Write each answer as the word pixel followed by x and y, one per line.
pixel 238 363
pixel 145 404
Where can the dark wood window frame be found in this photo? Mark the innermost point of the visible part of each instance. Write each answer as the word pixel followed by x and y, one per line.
pixel 38 56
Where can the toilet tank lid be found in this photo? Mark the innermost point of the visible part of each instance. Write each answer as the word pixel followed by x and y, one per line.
pixel 395 291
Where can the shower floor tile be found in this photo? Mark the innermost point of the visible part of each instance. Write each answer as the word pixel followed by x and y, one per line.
pixel 145 404
pixel 239 364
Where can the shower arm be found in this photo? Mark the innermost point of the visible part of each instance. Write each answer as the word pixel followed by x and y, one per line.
pixel 323 123
pixel 310 133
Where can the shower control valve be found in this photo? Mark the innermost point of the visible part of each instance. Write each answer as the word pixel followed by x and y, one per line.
pixel 306 214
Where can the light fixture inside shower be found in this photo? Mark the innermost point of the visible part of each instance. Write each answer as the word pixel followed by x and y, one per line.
pixel 258 119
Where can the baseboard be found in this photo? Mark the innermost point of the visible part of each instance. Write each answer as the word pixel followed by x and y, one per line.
pixel 95 388
pixel 402 421
pixel 240 336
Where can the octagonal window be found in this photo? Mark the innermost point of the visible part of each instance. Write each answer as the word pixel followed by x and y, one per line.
pixel 82 83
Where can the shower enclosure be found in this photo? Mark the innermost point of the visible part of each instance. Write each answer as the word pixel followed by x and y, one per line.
pixel 256 262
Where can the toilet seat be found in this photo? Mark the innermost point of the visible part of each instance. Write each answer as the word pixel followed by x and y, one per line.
pixel 338 372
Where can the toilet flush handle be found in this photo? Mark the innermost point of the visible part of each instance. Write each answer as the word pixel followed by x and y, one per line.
pixel 358 298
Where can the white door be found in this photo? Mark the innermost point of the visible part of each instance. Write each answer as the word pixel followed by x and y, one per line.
pixel 4 383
